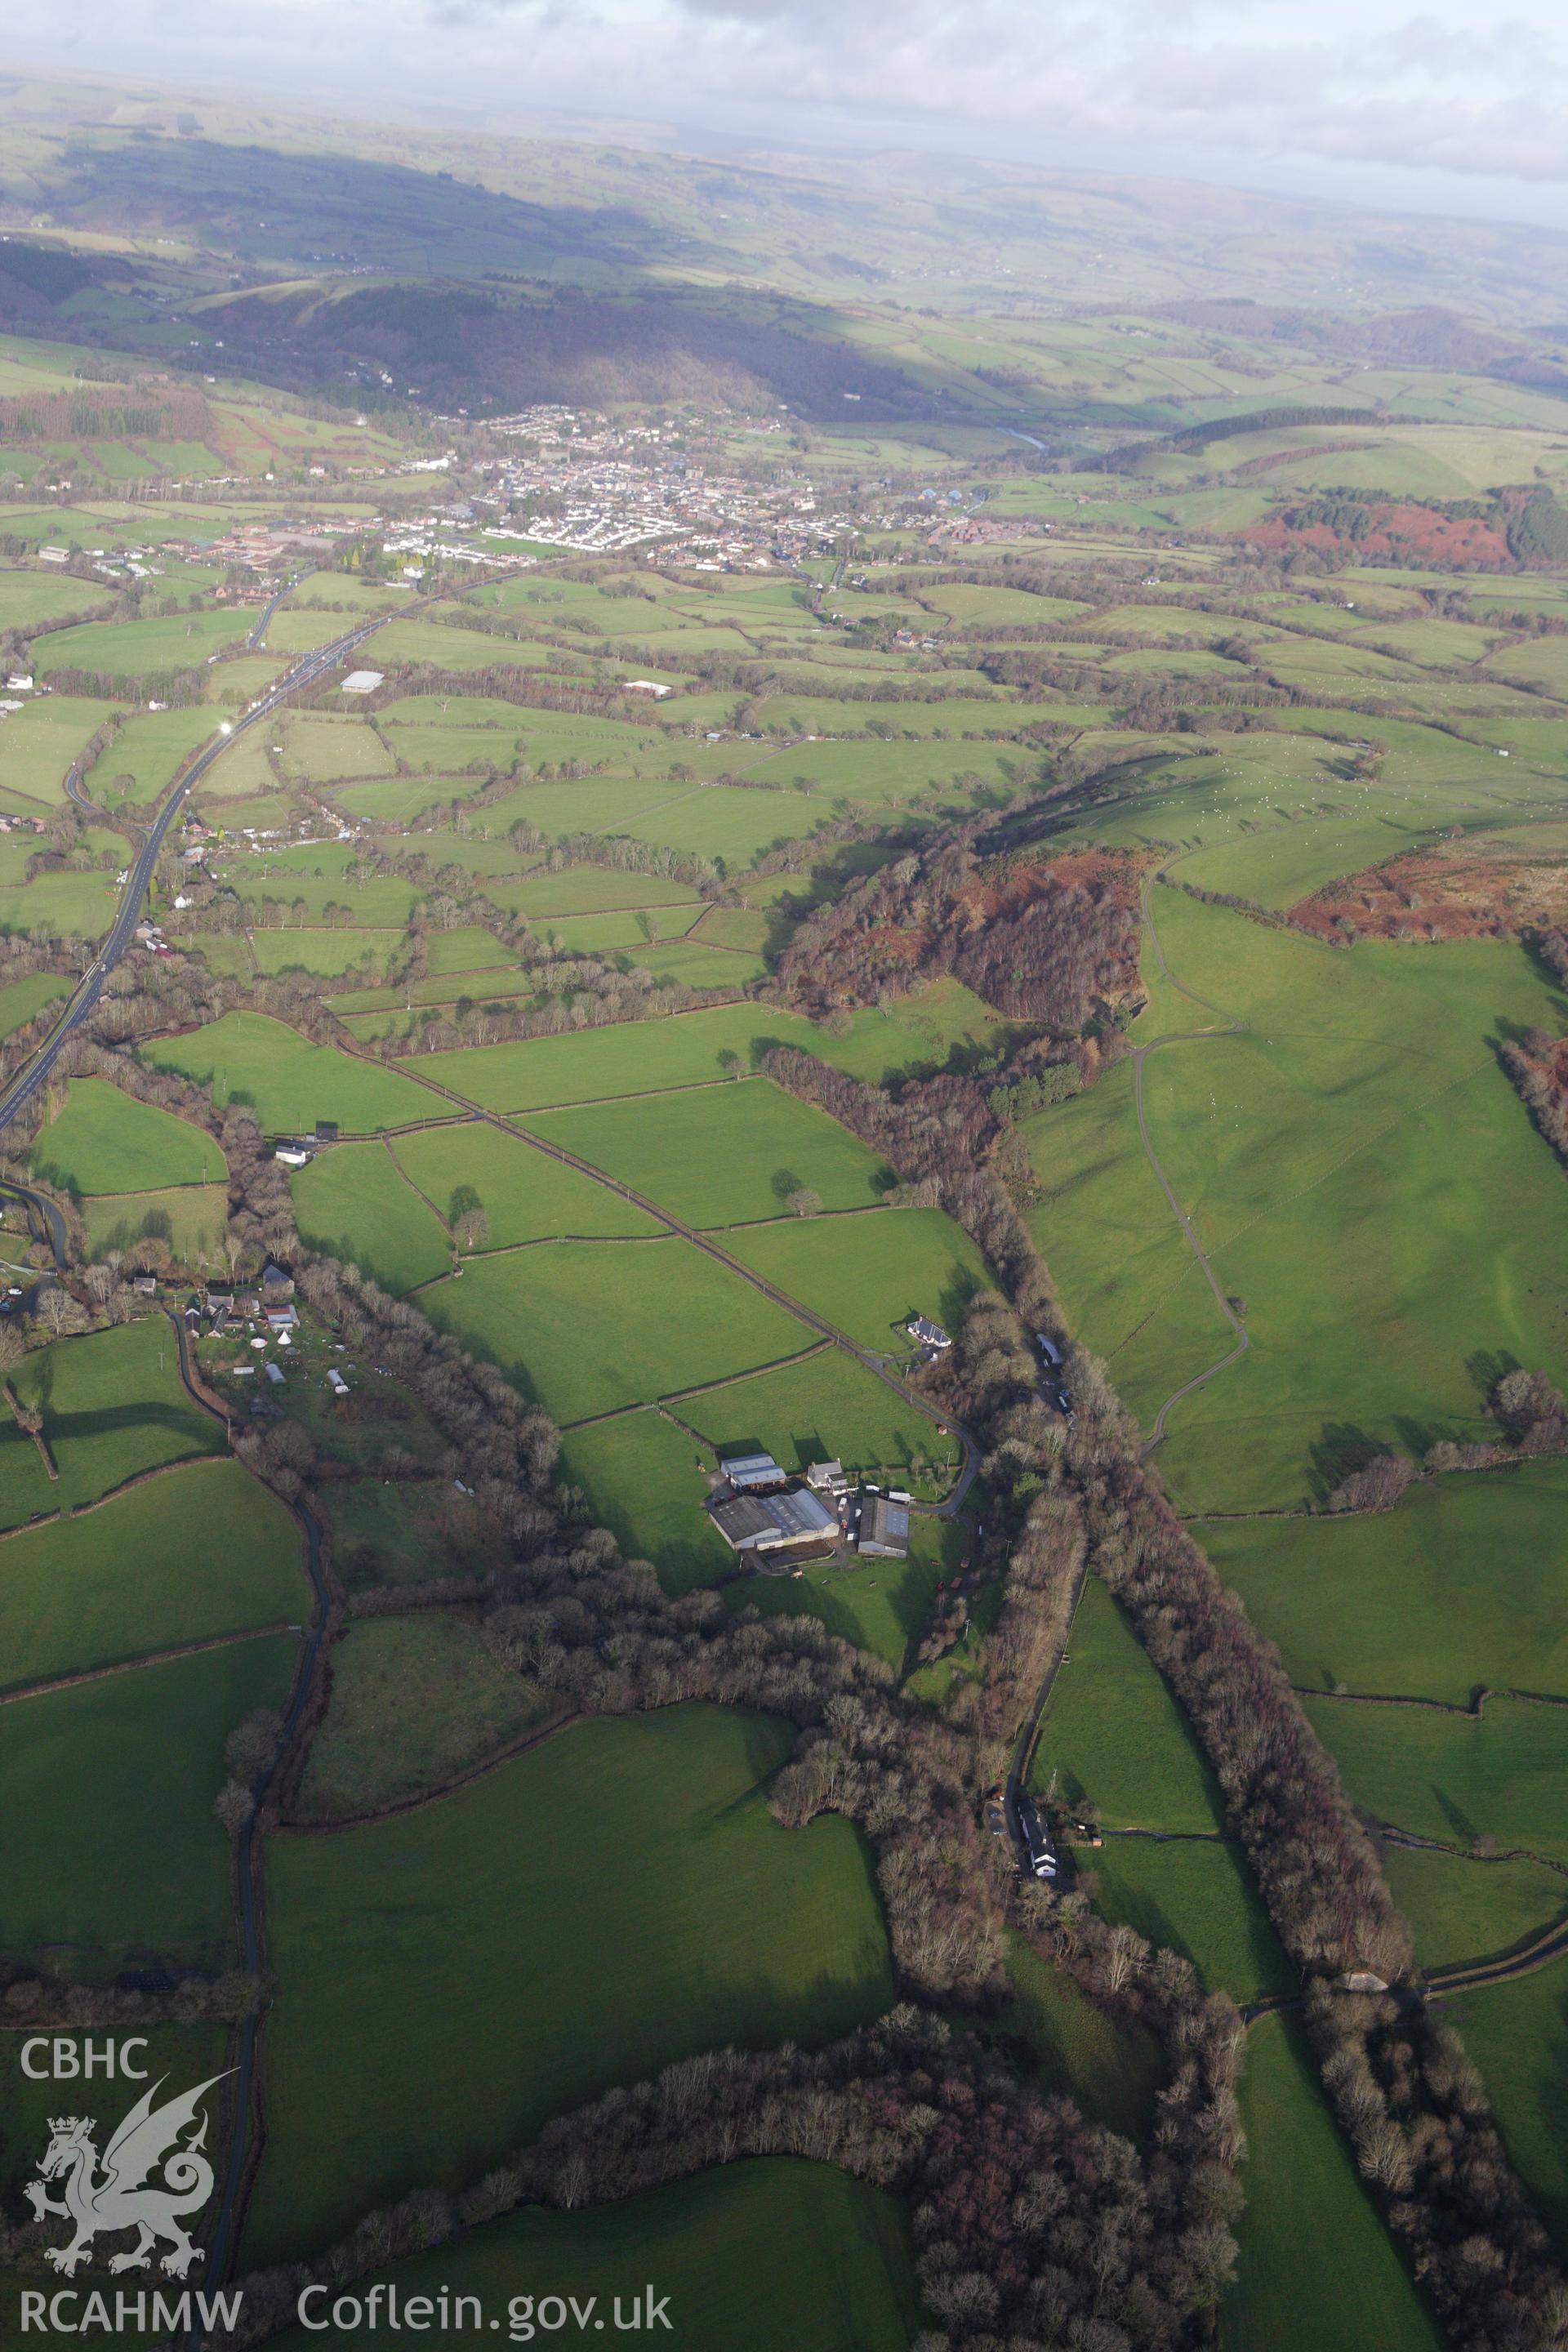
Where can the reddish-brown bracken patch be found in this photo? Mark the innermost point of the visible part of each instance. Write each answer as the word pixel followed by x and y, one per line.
pixel 1467 543
pixel 1441 894
pixel 1008 887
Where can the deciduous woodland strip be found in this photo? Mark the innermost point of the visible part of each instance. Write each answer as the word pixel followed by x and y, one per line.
pixel 1411 2103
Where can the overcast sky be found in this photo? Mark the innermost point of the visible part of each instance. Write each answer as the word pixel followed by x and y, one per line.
pixel 1364 101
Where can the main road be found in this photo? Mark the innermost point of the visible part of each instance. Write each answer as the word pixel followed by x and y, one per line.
pixel 89 987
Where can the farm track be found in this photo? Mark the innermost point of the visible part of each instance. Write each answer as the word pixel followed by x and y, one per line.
pixel 873 1363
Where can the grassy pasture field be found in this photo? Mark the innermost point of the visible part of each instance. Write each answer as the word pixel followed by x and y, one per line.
pixel 138 648
pixel 147 750
pixel 336 953
pixel 868 1274
pixel 632 1058
pixel 107 1142
pixel 583 1328
pixel 722 1155
pixel 523 1975
pixel 39 744
pixel 1199 1899
pixel 31 599
pixel 1517 2032
pixel 328 749
pixel 192 1218
pixel 74 906
pixel 247 1057
pixel 203 1550
pixel 1113 1735
pixel 825 1408
pixel 777 2254
pixel 1458 1587
pixel 20 1000
pixel 1453 1777
pixel 113 1407
pixel 1462 1908
pixel 594 889
pixel 1316 2266
pixel 526 1195
pixel 416 1702
pixel 354 1202
pixel 641 1476
pixel 1342 1161
pixel 112 1848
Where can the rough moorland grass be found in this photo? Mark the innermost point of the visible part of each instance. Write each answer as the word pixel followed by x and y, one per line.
pixel 827 1407
pixel 21 999
pixel 643 1480
pixel 1112 2067
pixel 1461 1907
pixel 722 1154
pixel 1196 1896
pixel 1317 2266
pixel 1452 1777
pixel 1517 2032
pixel 112 1406
pixel 1113 1736
pixel 868 1274
pixel 417 1701
pixel 580 1916
pixel 1460 1586
pixel 774 2255
pixel 112 1849
pixel 526 1195
pixel 402 1531
pixel 203 1549
pixel 192 1218
pixel 584 1326
pixel 247 1057
pixel 106 1141
pixel 352 1202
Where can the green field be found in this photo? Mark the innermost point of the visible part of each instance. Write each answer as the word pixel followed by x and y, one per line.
pixel 398 1531
pixel 1459 1587
pixel 827 1407
pixel 354 1202
pixel 1461 1909
pixel 1112 1736
pixel 192 1218
pixel 1342 1161
pixel 1110 2068
pixel 113 1407
pixel 21 999
pixel 635 1058
pixel 40 743
pixel 140 648
pixel 722 1155
pixel 140 763
pixel 584 1326
pixel 522 1976
pixel 1451 1777
pixel 775 2254
pixel 643 1479
pixel 246 1057
pixel 868 1275
pixel 416 1702
pixel 525 1195
pixel 1198 1898
pixel 113 1854
pixel 106 1141
pixel 1517 2032
pixel 1316 2268
pixel 202 1550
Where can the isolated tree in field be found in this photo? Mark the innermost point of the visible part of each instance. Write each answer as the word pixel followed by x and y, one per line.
pixel 471 1231
pixel 729 1063
pixel 253 1742
pixel 234 1806
pixel 1377 1487
pixel 804 1201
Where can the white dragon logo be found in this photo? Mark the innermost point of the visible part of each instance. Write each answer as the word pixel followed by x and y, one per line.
pixel 118 2197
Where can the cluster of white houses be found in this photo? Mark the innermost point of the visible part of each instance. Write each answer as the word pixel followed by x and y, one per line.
pixel 778 1521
